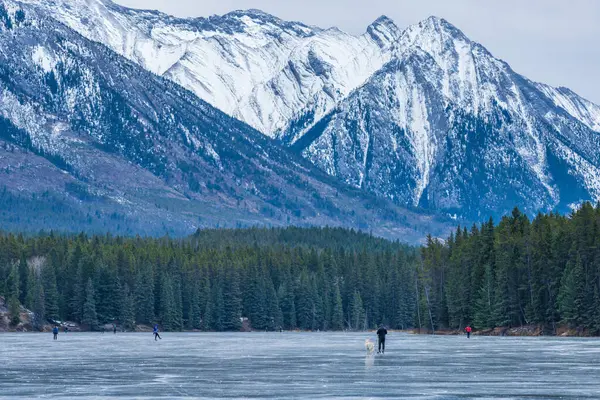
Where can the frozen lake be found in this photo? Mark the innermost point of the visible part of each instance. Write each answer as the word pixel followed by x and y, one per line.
pixel 295 365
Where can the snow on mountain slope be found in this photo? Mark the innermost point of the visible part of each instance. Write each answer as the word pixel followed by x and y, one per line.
pixel 248 64
pixel 579 108
pixel 423 116
pixel 94 141
pixel 447 126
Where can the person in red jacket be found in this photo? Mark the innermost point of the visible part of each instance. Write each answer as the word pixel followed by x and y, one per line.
pixel 468 331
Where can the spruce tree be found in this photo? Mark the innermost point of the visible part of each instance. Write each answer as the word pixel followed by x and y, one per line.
pixel 13 283
pixel 24 283
pixel 255 304
pixel 90 318
pixel 167 312
pixel 177 304
pixel 38 305
pixel 287 303
pixel 144 296
pixel 207 317
pixel 357 312
pixel 127 313
pixel 337 318
pixel 571 299
pixel 14 310
pixel 232 302
pixel 195 315
pixel 78 295
pixel 273 311
pixel 483 315
pixel 51 295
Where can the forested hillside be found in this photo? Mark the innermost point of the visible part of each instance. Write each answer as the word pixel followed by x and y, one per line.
pixel 290 278
pixel 544 272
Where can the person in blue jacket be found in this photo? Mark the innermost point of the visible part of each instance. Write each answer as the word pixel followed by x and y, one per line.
pixel 55 332
pixel 156 335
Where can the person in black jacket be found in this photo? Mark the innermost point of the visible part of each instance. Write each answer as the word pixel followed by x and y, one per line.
pixel 381 332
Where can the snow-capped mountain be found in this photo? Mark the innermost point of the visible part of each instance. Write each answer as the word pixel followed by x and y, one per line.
pixel 447 126
pixel 423 116
pixel 251 65
pixel 90 140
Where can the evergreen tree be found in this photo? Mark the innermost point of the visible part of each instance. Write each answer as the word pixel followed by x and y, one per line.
pixel 24 279
pixel 13 283
pixel 288 304
pixel 144 296
pixel 232 302
pixel 78 295
pixel 195 317
pixel 358 313
pixel 571 295
pixel 38 304
pixel 127 314
pixel 89 318
pixel 274 312
pixel 177 304
pixel 51 295
pixel 337 318
pixel 167 312
pixel 483 310
pixel 14 310
pixel 31 288
pixel 207 319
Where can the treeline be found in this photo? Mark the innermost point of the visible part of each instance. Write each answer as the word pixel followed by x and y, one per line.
pixel 544 272
pixel 520 272
pixel 313 279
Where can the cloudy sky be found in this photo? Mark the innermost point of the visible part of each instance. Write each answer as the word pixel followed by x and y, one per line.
pixel 551 41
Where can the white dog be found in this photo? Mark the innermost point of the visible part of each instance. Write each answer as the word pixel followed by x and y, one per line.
pixel 369 346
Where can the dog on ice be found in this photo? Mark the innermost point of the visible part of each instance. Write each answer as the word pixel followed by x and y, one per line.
pixel 369 346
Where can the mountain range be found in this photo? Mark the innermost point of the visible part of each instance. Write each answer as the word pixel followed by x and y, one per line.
pixel 91 141
pixel 195 110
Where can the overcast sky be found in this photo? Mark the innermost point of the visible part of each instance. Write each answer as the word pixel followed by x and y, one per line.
pixel 551 41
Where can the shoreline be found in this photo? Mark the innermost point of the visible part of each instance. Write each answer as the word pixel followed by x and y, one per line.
pixel 525 331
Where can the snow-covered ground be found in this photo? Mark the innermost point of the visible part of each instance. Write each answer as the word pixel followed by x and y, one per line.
pixel 295 365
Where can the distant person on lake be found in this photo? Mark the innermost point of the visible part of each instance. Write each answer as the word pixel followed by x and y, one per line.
pixel 115 329
pixel 381 332
pixel 55 332
pixel 156 335
pixel 468 331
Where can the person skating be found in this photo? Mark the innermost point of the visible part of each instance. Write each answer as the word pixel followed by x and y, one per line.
pixel 381 332
pixel 55 332
pixel 156 335
pixel 115 329
pixel 468 331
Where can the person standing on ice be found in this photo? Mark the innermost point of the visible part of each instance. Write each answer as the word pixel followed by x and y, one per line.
pixel 55 332
pixel 115 329
pixel 156 335
pixel 468 331
pixel 381 332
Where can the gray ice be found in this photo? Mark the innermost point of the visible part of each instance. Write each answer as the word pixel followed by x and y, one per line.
pixel 296 365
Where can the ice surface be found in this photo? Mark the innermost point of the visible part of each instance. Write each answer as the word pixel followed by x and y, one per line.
pixel 295 365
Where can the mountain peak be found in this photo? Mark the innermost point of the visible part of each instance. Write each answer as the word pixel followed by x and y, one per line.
pixel 264 18
pixel 434 24
pixel 252 12
pixel 384 20
pixel 384 31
